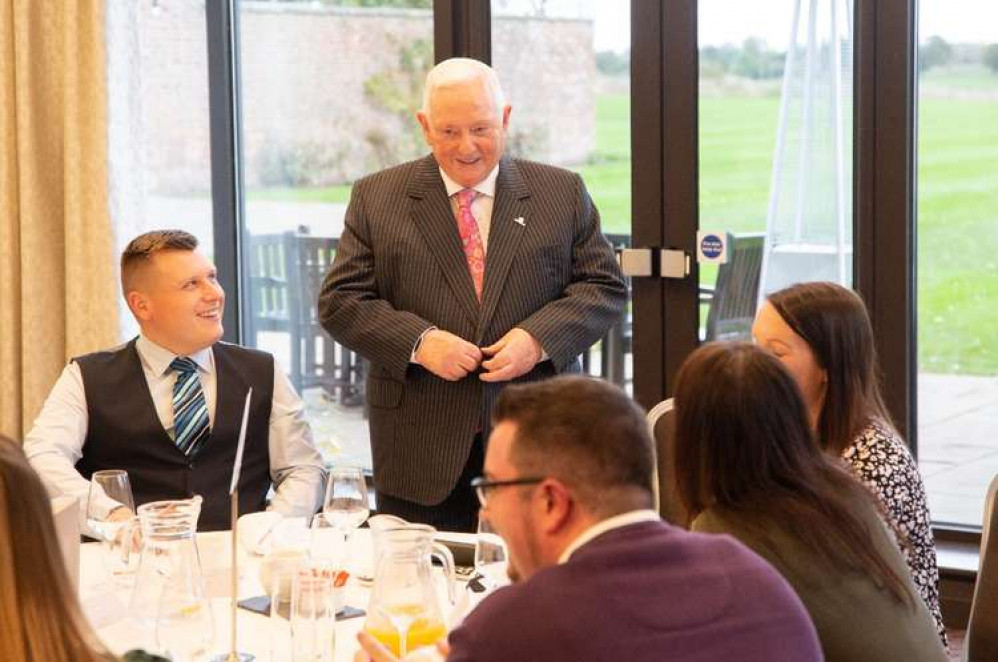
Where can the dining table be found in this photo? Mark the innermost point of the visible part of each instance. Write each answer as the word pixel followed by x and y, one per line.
pixel 106 603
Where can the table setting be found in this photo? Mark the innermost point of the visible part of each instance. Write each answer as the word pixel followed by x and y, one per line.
pixel 304 589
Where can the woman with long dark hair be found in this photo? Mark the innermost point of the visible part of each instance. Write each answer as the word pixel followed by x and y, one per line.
pixel 746 464
pixel 40 617
pixel 822 334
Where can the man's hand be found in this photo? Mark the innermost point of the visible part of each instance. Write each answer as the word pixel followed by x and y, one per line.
pixel 515 354
pixel 447 356
pixel 372 650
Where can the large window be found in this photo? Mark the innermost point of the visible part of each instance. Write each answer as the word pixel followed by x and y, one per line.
pixel 565 69
pixel 159 165
pixel 328 94
pixel 957 255
pixel 775 151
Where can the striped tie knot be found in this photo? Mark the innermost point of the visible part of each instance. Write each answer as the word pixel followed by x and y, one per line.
pixel 183 364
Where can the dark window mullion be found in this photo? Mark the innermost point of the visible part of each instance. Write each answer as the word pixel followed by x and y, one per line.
pixel 462 28
pixel 884 153
pixel 664 188
pixel 226 158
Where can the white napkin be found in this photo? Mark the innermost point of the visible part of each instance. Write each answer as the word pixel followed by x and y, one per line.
pixel 256 531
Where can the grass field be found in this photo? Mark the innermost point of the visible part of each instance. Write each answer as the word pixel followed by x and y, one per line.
pixel 957 199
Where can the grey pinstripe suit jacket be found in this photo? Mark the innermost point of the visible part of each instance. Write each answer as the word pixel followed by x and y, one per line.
pixel 400 269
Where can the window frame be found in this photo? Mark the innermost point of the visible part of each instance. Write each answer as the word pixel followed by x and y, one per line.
pixel 664 141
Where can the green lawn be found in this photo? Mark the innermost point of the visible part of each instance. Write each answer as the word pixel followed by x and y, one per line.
pixel 338 193
pixel 958 235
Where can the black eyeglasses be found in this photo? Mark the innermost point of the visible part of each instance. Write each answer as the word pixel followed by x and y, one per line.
pixel 482 486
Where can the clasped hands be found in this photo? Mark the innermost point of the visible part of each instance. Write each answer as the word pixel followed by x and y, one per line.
pixel 450 357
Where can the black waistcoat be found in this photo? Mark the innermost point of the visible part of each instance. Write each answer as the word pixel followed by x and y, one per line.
pixel 124 432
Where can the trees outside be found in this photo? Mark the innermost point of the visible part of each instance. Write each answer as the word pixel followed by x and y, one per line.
pixel 989 57
pixel 936 52
pixel 754 60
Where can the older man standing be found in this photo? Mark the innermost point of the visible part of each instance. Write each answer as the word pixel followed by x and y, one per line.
pixel 455 274
pixel 568 486
pixel 167 406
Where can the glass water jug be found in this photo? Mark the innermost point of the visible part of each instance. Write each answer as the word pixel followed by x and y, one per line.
pixel 169 575
pixel 404 612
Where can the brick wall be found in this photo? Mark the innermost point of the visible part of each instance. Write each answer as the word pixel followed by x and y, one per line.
pixel 307 119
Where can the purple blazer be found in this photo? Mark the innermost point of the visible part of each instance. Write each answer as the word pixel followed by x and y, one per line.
pixel 647 592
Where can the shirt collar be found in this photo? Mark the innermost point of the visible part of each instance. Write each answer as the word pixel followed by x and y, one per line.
pixel 609 524
pixel 486 187
pixel 159 358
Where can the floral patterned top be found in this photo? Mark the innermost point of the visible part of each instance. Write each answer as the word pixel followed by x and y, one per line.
pixel 881 460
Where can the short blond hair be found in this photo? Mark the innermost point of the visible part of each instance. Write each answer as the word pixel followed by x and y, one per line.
pixel 139 252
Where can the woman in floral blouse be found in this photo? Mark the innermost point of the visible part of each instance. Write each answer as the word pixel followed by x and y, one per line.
pixel 822 334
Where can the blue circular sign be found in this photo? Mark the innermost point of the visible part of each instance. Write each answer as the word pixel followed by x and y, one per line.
pixel 711 246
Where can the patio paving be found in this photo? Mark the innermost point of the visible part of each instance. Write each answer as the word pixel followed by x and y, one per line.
pixel 957 446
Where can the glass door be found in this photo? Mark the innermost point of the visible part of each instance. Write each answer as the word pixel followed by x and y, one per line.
pixel 566 71
pixel 775 175
pixel 957 268
pixel 328 95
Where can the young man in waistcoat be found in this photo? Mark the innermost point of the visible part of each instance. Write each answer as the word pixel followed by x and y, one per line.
pixel 167 405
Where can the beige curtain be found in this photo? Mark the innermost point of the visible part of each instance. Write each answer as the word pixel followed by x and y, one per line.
pixel 57 269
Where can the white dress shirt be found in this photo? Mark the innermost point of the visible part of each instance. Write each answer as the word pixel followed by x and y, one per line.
pixel 609 524
pixel 55 443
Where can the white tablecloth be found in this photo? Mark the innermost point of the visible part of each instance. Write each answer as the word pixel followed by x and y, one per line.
pixel 106 605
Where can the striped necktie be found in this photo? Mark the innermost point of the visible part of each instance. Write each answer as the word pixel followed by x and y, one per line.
pixel 190 411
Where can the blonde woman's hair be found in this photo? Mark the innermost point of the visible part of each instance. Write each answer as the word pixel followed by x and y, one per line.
pixel 40 616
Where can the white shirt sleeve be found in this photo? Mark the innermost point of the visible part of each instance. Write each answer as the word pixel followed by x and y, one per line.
pixel 55 443
pixel 296 467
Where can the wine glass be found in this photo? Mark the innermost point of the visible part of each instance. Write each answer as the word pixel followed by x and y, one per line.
pixel 490 554
pixel 345 505
pixel 313 617
pixel 110 510
pixel 402 618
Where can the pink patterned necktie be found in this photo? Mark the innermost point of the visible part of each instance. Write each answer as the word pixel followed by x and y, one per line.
pixel 471 239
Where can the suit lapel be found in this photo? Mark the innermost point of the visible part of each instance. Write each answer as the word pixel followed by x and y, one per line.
pixel 505 234
pixel 432 214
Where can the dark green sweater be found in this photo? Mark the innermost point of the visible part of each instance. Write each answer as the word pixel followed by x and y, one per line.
pixel 856 621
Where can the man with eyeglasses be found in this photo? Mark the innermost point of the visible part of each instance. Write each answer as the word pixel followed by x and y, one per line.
pixel 599 576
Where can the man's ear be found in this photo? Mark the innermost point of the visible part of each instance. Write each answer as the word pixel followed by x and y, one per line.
pixel 424 122
pixel 505 117
pixel 140 305
pixel 556 504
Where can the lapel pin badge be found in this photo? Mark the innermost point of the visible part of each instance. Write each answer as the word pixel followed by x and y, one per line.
pixel 519 219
